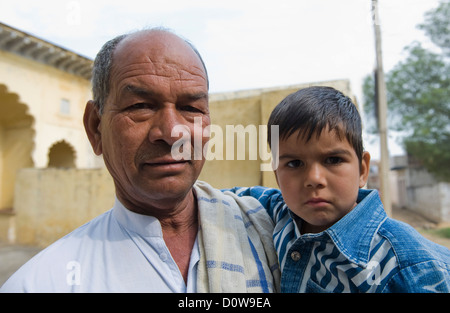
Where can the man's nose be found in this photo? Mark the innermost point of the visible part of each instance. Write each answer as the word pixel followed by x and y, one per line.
pixel 163 123
pixel 315 176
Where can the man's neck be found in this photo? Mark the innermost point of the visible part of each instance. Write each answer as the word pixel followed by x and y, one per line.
pixel 179 224
pixel 180 233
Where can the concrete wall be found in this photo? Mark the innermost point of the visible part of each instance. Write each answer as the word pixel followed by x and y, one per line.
pixel 425 195
pixel 227 172
pixel 49 203
pixel 444 195
pixel 430 200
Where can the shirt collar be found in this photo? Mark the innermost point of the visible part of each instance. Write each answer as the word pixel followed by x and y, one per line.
pixel 353 233
pixel 143 225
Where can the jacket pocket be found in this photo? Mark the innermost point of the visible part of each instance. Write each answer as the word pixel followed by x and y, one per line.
pixel 313 287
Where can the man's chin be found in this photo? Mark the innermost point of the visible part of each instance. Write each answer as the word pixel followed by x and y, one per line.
pixel 168 187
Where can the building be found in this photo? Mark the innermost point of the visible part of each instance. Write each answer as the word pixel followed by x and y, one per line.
pixel 43 91
pixel 415 189
pixel 50 180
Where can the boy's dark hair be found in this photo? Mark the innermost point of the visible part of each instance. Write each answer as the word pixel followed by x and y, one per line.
pixel 312 109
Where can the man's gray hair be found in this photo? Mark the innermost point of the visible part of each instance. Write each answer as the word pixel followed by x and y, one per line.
pixel 101 70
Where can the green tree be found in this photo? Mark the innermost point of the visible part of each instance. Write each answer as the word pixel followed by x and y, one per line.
pixel 418 95
pixel 437 27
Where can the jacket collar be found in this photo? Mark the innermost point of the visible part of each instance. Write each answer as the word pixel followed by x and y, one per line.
pixel 354 233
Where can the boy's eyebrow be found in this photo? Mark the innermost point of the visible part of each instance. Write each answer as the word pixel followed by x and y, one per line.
pixel 288 156
pixel 330 152
pixel 339 151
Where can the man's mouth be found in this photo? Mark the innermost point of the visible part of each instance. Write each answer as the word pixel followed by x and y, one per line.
pixel 166 162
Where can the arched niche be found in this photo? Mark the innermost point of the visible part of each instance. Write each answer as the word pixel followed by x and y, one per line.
pixel 61 155
pixel 16 143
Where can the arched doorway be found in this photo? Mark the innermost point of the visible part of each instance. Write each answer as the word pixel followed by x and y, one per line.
pixel 16 143
pixel 61 154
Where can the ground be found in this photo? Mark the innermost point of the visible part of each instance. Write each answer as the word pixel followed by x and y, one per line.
pixel 13 256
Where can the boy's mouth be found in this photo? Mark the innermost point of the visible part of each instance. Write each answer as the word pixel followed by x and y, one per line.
pixel 316 201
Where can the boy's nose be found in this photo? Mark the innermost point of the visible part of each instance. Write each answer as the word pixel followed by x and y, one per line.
pixel 315 177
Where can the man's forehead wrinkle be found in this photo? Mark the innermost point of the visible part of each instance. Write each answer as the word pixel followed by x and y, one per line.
pixel 162 70
pixel 168 63
pixel 163 59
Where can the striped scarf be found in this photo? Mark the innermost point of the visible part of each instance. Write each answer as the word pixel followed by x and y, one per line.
pixel 236 247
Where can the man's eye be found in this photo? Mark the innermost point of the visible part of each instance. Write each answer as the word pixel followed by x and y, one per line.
pixel 139 106
pixel 189 108
pixel 294 163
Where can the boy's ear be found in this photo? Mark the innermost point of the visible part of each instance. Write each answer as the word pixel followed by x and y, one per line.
pixel 91 121
pixel 365 168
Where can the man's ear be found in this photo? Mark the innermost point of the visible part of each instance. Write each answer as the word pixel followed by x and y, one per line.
pixel 365 168
pixel 91 120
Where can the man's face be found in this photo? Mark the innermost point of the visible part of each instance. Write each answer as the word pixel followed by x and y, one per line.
pixel 157 82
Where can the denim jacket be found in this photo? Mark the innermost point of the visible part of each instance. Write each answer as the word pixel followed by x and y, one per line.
pixel 365 251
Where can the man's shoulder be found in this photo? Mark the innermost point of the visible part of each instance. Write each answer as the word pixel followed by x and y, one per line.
pixel 50 269
pixel 227 197
pixel 95 229
pixel 251 199
pixel 258 192
pixel 245 208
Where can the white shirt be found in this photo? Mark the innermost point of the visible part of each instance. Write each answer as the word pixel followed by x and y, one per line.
pixel 119 251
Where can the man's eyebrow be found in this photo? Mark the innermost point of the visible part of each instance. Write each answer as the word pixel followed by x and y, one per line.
pixel 142 92
pixel 194 96
pixel 148 93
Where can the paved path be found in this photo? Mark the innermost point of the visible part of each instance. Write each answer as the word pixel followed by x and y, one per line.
pixel 12 257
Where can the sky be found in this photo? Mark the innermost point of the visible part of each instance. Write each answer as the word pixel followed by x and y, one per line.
pixel 245 44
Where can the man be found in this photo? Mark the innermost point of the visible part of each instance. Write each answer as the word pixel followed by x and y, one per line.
pixel 166 232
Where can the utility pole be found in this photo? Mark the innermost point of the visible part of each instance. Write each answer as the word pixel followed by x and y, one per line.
pixel 381 102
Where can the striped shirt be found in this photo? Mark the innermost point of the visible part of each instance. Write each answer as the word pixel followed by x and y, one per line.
pixel 365 251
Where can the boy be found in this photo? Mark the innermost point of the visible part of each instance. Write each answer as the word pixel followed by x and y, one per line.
pixel 330 235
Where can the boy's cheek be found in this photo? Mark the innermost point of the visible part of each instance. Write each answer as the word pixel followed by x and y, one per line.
pixel 276 178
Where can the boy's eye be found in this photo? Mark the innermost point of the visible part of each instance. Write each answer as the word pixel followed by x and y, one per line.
pixel 294 163
pixel 333 160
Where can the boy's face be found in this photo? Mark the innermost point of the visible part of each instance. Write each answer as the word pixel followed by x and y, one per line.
pixel 320 179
